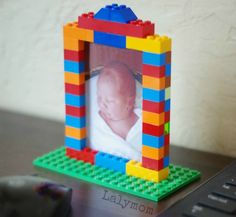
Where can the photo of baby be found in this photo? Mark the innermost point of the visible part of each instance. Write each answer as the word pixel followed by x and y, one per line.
pixel 116 97
pixel 114 123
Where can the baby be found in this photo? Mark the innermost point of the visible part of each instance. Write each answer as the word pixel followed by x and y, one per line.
pixel 116 92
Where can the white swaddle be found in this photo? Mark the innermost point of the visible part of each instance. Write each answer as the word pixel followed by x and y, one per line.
pixel 100 135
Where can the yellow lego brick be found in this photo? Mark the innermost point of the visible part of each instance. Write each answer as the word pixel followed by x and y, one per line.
pixel 153 153
pixel 75 132
pixel 153 118
pixel 134 168
pixel 153 83
pixel 167 93
pixel 74 78
pixel 153 43
pixel 71 30
pixel 73 44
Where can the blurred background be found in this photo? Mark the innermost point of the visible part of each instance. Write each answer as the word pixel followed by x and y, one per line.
pixel 203 100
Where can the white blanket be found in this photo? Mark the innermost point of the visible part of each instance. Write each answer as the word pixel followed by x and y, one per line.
pixel 100 135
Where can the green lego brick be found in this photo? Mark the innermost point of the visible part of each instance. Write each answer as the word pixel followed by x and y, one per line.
pixel 57 161
pixel 167 128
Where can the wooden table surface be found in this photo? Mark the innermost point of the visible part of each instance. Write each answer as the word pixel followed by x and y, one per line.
pixel 23 138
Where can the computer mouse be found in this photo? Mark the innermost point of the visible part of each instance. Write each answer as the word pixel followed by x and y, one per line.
pixel 33 196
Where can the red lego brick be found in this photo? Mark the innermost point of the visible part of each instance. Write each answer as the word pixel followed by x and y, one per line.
pixel 153 130
pixel 136 28
pixel 166 139
pixel 71 152
pixel 75 111
pixel 74 55
pixel 167 81
pixel 153 164
pixel 167 116
pixel 168 57
pixel 166 149
pixel 75 89
pixel 154 71
pixel 86 155
pixel 156 107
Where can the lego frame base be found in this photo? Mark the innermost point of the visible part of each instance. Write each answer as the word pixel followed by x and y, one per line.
pixel 57 161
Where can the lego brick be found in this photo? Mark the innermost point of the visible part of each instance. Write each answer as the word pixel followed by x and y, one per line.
pixel 167 116
pixel 153 71
pixel 167 81
pixel 153 164
pixel 73 44
pixel 73 55
pixel 153 83
pixel 74 100
pixel 152 153
pixel 85 155
pixel 77 144
pixel 72 153
pixel 166 140
pixel 153 44
pixel 136 169
pixel 111 162
pixel 167 105
pixel 155 107
pixel 74 78
pixel 166 161
pixel 166 147
pixel 153 141
pixel 75 122
pixel 168 70
pixel 57 161
pixel 153 95
pixel 75 89
pixel 153 118
pixel 167 93
pixel 167 128
pixel 137 28
pixel 154 59
pixel 153 130
pixel 109 39
pixel 75 67
pixel 116 13
pixel 77 133
pixel 71 30
pixel 168 57
pixel 75 111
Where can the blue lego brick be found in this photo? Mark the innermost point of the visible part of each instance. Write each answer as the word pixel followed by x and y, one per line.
pixel 72 66
pixel 75 122
pixel 153 95
pixel 111 162
pixel 166 161
pixel 110 39
pixel 74 100
pixel 154 59
pixel 168 70
pixel 167 105
pixel 153 141
pixel 77 144
pixel 116 13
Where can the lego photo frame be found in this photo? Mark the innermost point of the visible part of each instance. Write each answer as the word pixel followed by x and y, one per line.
pixel 152 177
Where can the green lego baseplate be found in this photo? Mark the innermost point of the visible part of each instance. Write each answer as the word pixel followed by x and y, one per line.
pixel 57 161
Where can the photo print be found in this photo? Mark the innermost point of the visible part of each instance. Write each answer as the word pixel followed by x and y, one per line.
pixel 114 100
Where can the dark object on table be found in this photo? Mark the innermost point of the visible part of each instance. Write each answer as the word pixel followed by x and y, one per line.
pixel 32 196
pixel 215 198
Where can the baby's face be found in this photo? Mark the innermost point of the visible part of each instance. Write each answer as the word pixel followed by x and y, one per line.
pixel 112 104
